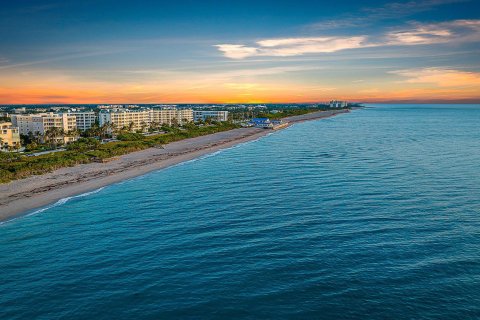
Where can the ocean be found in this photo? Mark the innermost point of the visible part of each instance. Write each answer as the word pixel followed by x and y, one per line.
pixel 369 215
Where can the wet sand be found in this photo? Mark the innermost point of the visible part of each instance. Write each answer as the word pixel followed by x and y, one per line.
pixel 22 196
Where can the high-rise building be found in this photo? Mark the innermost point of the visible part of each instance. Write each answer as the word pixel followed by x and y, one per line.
pixel 338 104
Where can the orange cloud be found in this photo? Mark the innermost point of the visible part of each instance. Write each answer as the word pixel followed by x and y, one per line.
pixel 441 77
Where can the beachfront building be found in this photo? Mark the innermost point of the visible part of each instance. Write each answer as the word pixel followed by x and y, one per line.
pixel 132 120
pixel 210 114
pixel 170 115
pixel 9 136
pixel 85 119
pixel 141 119
pixel 39 124
pixel 338 104
pixel 264 123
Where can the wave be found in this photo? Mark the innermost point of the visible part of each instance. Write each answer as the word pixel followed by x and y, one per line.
pixel 56 204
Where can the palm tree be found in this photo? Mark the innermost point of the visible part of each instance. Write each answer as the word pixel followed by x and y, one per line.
pixel 31 137
pixel 38 136
pixel 72 133
pixel 130 126
pixel 103 130
pixel 153 126
pixel 93 131
pixel 143 125
pixel 52 134
pixel 62 133
pixel 1 143
pixel 115 129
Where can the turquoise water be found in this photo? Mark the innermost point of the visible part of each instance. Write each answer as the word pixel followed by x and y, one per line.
pixel 374 214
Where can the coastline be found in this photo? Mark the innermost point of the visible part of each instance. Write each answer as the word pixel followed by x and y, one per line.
pixel 21 196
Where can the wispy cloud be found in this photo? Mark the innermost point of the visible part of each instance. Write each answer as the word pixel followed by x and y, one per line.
pixel 371 15
pixel 450 31
pixel 442 77
pixel 291 46
pixel 68 56
pixel 414 34
pixel 221 75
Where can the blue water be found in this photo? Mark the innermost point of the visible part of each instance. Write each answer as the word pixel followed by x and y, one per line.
pixel 374 214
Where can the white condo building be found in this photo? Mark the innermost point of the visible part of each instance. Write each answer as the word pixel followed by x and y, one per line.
pixel 138 119
pixel 122 118
pixel 166 115
pixel 210 114
pixel 85 120
pixel 39 124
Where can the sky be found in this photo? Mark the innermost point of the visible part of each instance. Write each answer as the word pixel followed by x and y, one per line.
pixel 106 51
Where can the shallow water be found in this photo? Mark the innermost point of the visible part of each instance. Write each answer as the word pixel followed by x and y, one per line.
pixel 374 214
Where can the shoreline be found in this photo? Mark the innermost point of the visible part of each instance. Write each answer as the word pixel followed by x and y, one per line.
pixel 20 197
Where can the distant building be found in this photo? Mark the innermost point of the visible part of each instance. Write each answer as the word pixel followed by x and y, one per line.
pixel 9 136
pixel 264 123
pixel 85 120
pixel 39 124
pixel 210 114
pixel 110 106
pixel 20 110
pixel 338 104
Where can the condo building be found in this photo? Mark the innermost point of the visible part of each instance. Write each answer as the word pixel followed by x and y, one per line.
pixel 9 136
pixel 85 120
pixel 210 114
pixel 39 124
pixel 140 119
pixel 168 114
pixel 123 118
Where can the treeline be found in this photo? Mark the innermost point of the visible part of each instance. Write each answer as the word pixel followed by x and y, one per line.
pixel 17 166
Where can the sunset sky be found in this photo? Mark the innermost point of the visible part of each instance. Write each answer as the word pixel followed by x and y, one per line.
pixel 107 51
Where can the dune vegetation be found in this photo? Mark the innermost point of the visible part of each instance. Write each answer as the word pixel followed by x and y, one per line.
pixel 17 166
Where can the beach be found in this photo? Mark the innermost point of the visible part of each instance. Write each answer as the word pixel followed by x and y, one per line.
pixel 21 196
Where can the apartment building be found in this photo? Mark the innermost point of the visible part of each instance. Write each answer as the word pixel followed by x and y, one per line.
pixel 9 136
pixel 210 114
pixel 167 115
pixel 84 119
pixel 122 118
pixel 138 119
pixel 39 124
